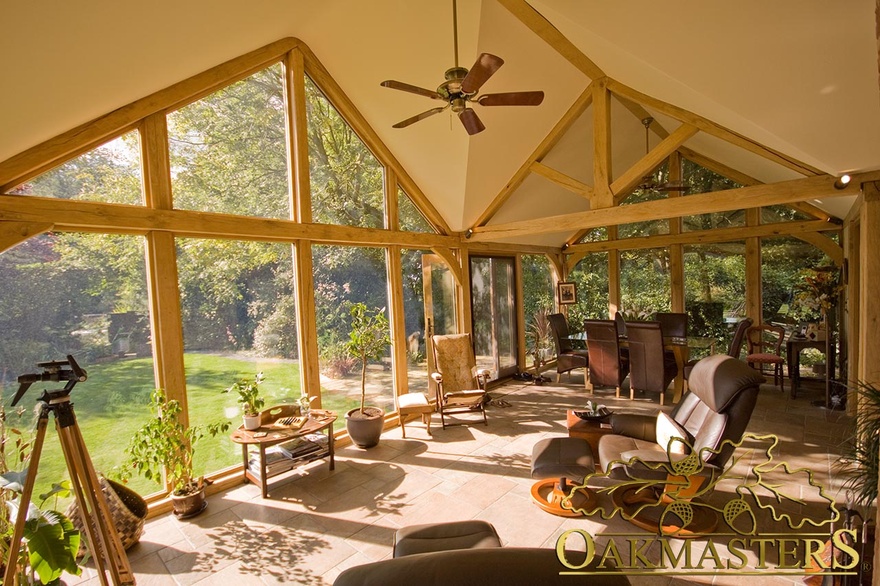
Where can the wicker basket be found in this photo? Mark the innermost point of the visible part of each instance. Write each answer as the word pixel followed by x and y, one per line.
pixel 127 509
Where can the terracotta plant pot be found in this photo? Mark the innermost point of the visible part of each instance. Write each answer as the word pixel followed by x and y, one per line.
pixel 188 505
pixel 365 429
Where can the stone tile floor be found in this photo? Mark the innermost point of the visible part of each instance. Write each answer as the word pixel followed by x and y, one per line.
pixel 316 523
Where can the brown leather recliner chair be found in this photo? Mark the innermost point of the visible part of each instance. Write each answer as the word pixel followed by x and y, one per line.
pixel 717 407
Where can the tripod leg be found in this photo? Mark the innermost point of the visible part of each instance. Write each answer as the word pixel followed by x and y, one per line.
pixel 25 500
pixel 85 513
pixel 111 550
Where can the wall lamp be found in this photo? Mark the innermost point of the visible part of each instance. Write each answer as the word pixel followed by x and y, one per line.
pixel 842 181
pixel 565 246
pixel 469 232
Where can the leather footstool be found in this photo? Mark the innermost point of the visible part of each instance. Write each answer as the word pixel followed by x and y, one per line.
pixel 555 460
pixel 444 536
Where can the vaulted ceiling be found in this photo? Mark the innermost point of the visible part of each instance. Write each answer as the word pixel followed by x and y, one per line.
pixel 798 76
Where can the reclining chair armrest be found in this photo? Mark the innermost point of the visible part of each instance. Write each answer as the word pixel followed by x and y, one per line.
pixel 482 375
pixel 438 378
pixel 634 425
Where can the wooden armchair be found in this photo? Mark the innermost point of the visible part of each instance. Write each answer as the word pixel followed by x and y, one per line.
pixel 765 347
pixel 461 388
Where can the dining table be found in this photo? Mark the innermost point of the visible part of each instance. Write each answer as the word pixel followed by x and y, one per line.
pixel 680 348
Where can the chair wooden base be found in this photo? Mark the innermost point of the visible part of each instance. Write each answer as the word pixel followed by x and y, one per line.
pixel 548 495
pixel 651 514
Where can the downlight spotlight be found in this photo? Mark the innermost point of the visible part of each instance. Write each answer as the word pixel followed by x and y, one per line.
pixel 842 182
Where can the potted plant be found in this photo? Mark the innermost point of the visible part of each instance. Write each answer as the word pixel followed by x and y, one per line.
pixel 249 399
pixel 367 341
pixel 164 444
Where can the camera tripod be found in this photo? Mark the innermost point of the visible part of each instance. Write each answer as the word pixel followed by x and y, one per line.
pixel 103 539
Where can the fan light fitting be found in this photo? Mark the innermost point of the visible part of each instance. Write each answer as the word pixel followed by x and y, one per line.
pixel 648 182
pixel 462 85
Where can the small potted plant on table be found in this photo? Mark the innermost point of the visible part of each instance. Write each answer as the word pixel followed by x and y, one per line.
pixel 249 399
pixel 163 443
pixel 368 340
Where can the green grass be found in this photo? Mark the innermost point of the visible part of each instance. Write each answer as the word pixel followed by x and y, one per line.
pixel 113 403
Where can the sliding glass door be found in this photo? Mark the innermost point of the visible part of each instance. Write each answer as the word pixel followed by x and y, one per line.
pixel 493 291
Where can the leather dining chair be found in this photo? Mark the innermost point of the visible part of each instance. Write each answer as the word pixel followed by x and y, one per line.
pixel 608 366
pixel 651 368
pixel 567 357
pixel 673 325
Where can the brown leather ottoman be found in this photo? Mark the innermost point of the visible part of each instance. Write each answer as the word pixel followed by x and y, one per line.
pixel 556 459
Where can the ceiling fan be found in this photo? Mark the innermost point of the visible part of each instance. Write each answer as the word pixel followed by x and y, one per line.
pixel 649 183
pixel 461 87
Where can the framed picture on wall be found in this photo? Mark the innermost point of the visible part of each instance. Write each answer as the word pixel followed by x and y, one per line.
pixel 567 293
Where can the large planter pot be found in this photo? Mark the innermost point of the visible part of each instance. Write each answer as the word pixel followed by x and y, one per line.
pixel 188 505
pixel 365 429
pixel 251 422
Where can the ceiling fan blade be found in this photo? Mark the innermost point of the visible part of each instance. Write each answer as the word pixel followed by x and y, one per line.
pixel 484 68
pixel 413 89
pixel 417 117
pixel 471 121
pixel 511 99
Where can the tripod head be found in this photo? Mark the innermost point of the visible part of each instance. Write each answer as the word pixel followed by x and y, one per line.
pixel 54 371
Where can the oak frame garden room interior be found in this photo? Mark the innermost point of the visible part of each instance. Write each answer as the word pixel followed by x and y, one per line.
pixel 596 179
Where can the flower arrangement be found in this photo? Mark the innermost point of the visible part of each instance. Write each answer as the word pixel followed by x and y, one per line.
pixel 819 291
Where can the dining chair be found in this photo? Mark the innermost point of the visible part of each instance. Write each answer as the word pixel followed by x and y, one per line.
pixel 673 325
pixel 733 350
pixel 608 366
pixel 765 347
pixel 567 357
pixel 651 368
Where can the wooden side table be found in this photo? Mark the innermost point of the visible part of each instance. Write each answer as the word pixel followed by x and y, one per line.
pixel 591 431
pixel 268 435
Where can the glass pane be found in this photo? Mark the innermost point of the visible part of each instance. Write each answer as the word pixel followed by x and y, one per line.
pixel 346 179
pixel 590 276
pixel 229 150
pixel 644 282
pixel 83 295
pixel 774 214
pixel 344 275
pixel 595 234
pixel 410 218
pixel 702 180
pixel 783 261
pixel 442 296
pixel 715 292
pixel 494 322
pixel 110 173
pixel 414 316
pixel 238 310
pixel 538 302
pixel 646 228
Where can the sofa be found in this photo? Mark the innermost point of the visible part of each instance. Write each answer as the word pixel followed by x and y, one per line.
pixel 506 566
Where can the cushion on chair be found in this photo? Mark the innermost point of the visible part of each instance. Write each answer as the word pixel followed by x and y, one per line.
pixel 414 403
pixel 464 397
pixel 773 358
pixel 716 380
pixel 452 352
pixel 666 429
